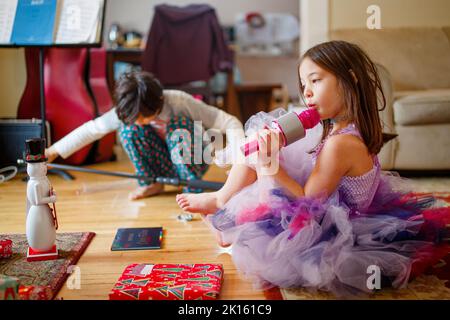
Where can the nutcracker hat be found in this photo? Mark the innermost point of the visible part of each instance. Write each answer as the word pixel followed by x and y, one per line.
pixel 35 150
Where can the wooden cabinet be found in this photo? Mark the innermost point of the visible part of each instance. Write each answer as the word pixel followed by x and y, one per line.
pixel 132 56
pixel 253 98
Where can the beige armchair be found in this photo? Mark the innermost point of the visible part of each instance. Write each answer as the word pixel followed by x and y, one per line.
pixel 414 64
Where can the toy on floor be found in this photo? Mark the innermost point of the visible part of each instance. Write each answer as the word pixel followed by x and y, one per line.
pixel 42 223
pixel 185 217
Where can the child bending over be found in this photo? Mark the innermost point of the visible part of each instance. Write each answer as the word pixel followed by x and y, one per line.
pixel 147 118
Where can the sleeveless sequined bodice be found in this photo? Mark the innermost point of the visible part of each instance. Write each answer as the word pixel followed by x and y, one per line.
pixel 357 192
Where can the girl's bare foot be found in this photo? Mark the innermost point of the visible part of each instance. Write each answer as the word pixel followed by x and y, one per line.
pixel 204 203
pixel 146 191
pixel 220 241
pixel 217 233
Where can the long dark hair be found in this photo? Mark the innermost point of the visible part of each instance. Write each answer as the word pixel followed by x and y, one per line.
pixel 360 84
pixel 138 92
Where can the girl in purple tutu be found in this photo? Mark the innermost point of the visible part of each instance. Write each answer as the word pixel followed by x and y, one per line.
pixel 328 218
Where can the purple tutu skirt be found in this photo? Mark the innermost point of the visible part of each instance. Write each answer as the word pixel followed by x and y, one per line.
pixel 323 244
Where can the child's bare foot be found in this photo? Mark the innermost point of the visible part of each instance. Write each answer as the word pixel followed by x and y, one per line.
pixel 217 233
pixel 220 241
pixel 204 203
pixel 146 191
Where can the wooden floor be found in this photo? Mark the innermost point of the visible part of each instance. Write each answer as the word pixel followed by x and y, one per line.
pixel 100 204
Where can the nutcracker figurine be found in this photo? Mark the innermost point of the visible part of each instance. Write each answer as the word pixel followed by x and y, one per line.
pixel 41 222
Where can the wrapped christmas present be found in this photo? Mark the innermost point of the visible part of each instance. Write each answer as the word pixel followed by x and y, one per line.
pixel 169 282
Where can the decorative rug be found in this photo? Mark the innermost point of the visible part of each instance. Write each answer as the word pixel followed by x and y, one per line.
pixel 434 284
pixel 52 273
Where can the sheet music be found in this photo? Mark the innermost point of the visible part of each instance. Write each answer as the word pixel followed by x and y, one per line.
pixel 7 15
pixel 96 34
pixel 34 22
pixel 96 29
pixel 79 21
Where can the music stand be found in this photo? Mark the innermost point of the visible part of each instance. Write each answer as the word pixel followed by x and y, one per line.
pixel 96 44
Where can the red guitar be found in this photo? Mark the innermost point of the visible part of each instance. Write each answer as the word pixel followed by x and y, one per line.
pixel 75 92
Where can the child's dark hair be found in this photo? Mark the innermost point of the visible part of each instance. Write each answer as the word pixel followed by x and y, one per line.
pixel 138 93
pixel 360 85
